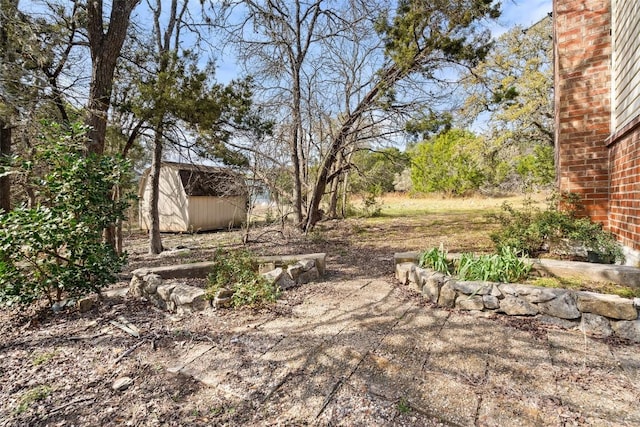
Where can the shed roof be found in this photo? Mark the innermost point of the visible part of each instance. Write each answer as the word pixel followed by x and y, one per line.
pixel 200 180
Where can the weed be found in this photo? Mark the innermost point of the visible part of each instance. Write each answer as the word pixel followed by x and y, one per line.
pixel 316 236
pixel 33 395
pixel 403 406
pixel 238 271
pixel 42 358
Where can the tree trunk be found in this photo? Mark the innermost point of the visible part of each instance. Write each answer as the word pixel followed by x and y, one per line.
pixel 105 50
pixel 335 190
pixel 5 153
pixel 155 240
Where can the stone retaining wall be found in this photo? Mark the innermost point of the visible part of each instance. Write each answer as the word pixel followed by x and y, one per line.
pixel 150 283
pixel 593 313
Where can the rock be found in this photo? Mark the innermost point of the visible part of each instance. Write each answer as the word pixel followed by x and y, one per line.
pixel 490 302
pixel 274 275
pixel 151 283
pixel 467 302
pixel 294 271
pixel 611 306
pixel 447 296
pixel 473 287
pixel 224 302
pixel 286 282
pixel 224 293
pixel 432 284
pixel 116 292
pixel 85 304
pixel 122 383
pixel 595 325
pixel 188 298
pixel 636 303
pixel 403 271
pixel 628 329
pixel 564 307
pixel 164 291
pixel 533 294
pixel 174 253
pixel 514 306
pixel 419 276
pixel 135 286
pixel 307 264
pixel 556 321
pixel 308 276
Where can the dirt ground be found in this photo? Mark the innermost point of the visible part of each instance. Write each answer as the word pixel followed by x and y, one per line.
pixel 58 369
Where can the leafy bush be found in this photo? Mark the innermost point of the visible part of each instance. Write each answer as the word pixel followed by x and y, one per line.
pixel 56 247
pixel 238 271
pixel 532 230
pixel 502 267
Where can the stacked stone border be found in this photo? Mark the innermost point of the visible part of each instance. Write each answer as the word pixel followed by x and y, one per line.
pixel 150 283
pixel 595 314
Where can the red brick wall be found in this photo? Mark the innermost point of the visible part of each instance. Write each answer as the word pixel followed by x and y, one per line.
pixel 583 101
pixel 624 207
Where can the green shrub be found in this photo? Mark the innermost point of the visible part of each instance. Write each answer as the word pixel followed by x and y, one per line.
pixel 238 271
pixel 55 247
pixel 532 230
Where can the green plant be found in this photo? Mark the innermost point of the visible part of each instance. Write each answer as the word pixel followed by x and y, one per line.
pixel 238 271
pixel 35 394
pixel 530 230
pixel 403 406
pixel 435 258
pixel 504 266
pixel 43 358
pixel 56 246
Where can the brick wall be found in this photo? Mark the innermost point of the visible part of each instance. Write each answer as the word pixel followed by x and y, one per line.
pixel 624 206
pixel 583 101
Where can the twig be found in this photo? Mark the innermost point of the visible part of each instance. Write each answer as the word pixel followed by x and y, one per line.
pixel 129 351
pixel 73 402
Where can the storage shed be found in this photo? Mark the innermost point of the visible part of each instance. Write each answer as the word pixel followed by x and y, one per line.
pixel 195 198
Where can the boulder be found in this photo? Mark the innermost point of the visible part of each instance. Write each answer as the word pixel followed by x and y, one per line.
pixel 135 286
pixel 294 271
pixel 473 287
pixel 274 275
pixel 447 297
pixel 188 298
pixel 490 302
pixel 307 264
pixel 628 329
pixel 308 276
pixel 533 294
pixel 564 307
pixel 467 302
pixel 611 306
pixel 164 291
pixel 556 321
pixel 151 283
pixel 595 325
pixel 514 306
pixel 403 271
pixel 432 284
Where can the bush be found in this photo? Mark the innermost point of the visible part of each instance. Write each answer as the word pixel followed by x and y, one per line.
pixel 55 247
pixel 531 230
pixel 238 271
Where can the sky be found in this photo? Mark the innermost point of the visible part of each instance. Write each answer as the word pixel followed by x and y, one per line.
pixel 514 12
